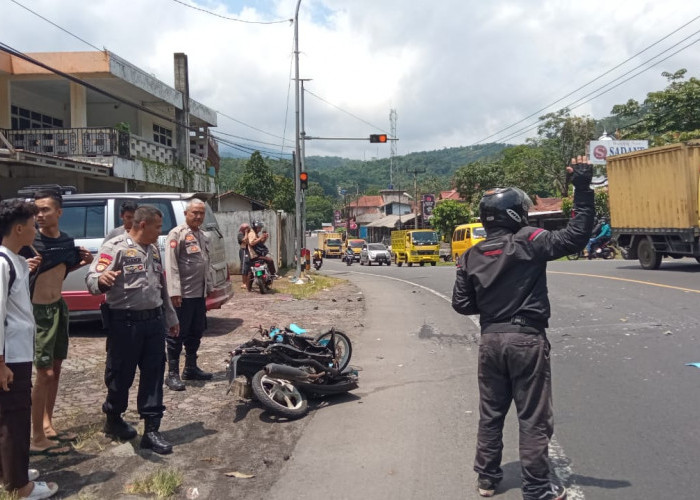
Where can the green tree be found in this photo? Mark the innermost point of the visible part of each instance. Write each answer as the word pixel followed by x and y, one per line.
pixel 284 198
pixel 473 179
pixel 669 115
pixel 257 181
pixel 319 209
pixel 449 214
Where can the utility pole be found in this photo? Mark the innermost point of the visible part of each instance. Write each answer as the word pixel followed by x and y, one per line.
pixel 297 146
pixel 302 136
pixel 415 172
pixel 392 124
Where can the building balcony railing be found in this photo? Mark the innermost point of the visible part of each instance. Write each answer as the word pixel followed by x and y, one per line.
pixel 95 143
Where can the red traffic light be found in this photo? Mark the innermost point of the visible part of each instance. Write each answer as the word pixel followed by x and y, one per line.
pixel 304 180
pixel 377 138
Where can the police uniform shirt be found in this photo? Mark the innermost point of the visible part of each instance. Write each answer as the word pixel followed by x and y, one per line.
pixel 141 284
pixel 187 262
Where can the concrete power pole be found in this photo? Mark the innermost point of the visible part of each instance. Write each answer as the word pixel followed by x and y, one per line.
pixel 415 172
pixel 392 123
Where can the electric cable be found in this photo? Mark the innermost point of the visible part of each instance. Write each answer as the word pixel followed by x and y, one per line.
pixel 56 25
pixel 595 79
pixel 232 18
pixel 346 112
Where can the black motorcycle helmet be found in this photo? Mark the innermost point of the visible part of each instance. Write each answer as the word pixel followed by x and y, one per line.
pixel 504 207
pixel 256 225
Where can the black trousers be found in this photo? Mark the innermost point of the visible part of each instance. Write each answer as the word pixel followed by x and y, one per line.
pixel 130 344
pixel 192 315
pixel 15 425
pixel 515 367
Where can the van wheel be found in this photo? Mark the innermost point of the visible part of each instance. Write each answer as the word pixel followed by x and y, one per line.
pixel 410 264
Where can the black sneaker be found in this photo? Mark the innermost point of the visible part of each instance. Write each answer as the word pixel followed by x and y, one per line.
pixel 486 486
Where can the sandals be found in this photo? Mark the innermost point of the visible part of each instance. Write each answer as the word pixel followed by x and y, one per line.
pixel 51 451
pixel 64 437
pixel 42 490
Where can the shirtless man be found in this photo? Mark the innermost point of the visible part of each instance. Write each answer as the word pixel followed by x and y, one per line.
pixel 59 257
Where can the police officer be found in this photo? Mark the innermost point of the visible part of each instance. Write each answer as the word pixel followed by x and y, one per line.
pixel 187 268
pixel 503 279
pixel 129 271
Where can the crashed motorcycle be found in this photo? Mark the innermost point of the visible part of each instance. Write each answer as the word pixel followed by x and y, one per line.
pixel 260 275
pixel 317 259
pixel 286 366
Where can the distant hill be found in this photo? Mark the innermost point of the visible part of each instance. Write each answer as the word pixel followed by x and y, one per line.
pixel 358 176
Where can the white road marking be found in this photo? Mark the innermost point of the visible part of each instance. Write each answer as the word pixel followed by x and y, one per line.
pixel 560 462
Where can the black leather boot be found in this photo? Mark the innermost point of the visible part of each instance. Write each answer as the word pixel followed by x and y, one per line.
pixel 172 380
pixel 154 440
pixel 192 371
pixel 115 427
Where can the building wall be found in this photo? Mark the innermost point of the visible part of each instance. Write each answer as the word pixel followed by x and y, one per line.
pixel 41 104
pixel 234 204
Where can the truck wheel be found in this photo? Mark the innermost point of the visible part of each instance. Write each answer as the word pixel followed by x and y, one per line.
pixel 410 264
pixel 698 259
pixel 422 264
pixel 433 263
pixel 648 257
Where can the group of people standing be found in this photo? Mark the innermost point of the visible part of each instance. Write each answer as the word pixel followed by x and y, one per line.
pixel 146 317
pixel 33 329
pixel 251 240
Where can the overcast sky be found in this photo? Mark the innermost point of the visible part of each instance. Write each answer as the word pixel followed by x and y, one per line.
pixel 455 71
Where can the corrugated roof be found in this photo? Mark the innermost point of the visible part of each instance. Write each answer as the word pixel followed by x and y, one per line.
pixel 372 201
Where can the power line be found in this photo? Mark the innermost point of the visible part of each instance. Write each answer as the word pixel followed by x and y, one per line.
pixel 249 139
pixel 232 18
pixel 56 25
pixel 600 90
pixel 344 111
pixel 249 126
pixel 247 149
pixel 597 78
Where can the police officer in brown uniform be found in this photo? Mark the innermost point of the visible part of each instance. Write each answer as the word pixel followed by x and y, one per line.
pixel 187 268
pixel 129 271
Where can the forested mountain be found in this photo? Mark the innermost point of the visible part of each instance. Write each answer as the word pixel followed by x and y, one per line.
pixel 367 177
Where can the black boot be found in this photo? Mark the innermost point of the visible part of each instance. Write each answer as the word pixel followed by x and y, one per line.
pixel 173 379
pixel 115 427
pixel 154 440
pixel 192 371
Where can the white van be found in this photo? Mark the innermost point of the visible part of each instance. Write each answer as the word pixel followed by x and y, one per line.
pixel 89 217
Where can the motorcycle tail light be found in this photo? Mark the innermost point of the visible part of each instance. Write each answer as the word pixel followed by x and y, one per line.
pixel 257 264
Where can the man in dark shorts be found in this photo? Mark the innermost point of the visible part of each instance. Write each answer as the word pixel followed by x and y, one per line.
pixel 59 257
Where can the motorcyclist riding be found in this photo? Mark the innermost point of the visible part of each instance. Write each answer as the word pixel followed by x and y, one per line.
pixel 602 236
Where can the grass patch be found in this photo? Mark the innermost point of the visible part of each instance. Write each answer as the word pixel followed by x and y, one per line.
pixel 316 283
pixel 4 495
pixel 163 483
pixel 88 436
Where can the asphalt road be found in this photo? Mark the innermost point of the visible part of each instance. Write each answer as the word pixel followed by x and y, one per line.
pixel 626 406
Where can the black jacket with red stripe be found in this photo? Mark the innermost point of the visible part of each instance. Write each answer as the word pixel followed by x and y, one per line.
pixel 504 278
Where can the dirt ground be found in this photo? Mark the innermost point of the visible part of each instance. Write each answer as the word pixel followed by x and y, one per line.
pixel 212 433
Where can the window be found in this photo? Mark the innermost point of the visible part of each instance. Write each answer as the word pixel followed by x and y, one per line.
pixel 24 118
pixel 162 135
pixel 84 221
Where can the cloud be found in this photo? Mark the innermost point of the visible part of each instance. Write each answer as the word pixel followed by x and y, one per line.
pixel 455 71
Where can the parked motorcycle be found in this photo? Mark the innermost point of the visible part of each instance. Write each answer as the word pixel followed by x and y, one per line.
pixel 285 366
pixel 317 259
pixel 604 250
pixel 260 275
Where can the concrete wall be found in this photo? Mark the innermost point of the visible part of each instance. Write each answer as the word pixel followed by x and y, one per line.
pixel 280 225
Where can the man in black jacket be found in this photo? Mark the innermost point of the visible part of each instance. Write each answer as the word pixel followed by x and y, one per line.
pixel 504 280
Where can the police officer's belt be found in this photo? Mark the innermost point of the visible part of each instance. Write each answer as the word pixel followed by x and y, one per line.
pixel 133 315
pixel 516 324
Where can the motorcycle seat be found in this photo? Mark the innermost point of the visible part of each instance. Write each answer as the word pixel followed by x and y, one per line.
pixel 296 329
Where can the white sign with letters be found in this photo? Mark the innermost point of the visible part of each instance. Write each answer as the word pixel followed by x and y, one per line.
pixel 600 150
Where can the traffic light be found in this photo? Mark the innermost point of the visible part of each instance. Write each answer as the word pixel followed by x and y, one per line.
pixel 304 180
pixel 377 138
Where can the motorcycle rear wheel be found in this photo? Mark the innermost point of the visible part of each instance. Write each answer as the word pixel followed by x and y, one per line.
pixel 279 396
pixel 609 253
pixel 343 347
pixel 574 256
pixel 261 284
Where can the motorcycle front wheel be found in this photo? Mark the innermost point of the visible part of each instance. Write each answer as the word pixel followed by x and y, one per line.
pixel 609 253
pixel 279 396
pixel 343 347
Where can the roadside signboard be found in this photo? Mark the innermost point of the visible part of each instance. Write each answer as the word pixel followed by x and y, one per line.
pixel 600 150
pixel 428 205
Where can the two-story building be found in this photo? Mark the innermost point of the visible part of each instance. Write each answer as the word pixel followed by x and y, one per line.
pixel 97 122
